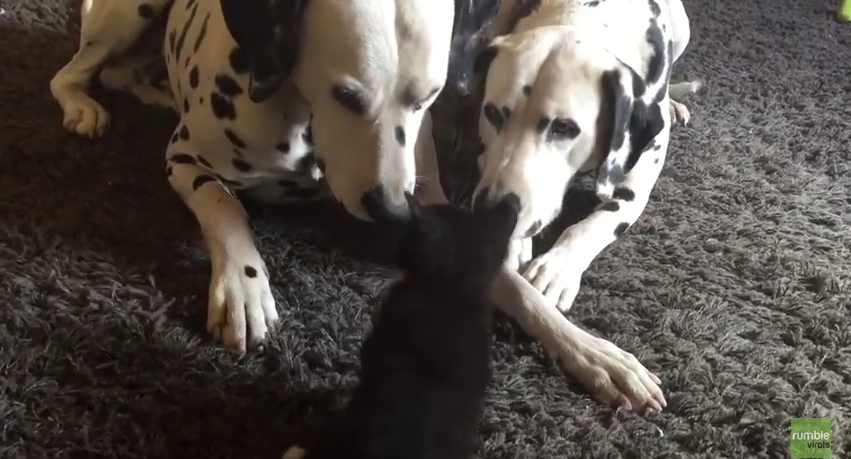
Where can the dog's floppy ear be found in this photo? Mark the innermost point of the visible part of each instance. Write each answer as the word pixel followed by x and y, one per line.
pixel 619 86
pixel 415 207
pixel 484 59
pixel 470 31
pixel 267 32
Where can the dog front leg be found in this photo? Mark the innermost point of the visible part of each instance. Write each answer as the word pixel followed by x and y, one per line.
pixel 107 29
pixel 608 372
pixel 615 375
pixel 241 308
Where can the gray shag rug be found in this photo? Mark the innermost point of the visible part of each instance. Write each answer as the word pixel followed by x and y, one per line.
pixel 734 285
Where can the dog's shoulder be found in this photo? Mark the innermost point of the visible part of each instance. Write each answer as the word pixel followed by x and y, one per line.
pixel 245 142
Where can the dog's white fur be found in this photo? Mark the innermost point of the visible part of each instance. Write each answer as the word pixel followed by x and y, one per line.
pixel 550 65
pixel 383 47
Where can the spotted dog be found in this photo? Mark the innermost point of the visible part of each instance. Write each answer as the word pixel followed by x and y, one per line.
pixel 274 106
pixel 574 86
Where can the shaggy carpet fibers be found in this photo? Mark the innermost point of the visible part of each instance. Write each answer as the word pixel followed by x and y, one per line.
pixel 734 284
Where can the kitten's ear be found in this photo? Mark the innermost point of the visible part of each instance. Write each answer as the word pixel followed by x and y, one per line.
pixel 415 207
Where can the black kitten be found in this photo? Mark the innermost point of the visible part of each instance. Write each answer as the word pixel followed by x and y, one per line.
pixel 425 366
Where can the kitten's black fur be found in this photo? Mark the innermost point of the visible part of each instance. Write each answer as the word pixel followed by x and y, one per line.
pixel 425 366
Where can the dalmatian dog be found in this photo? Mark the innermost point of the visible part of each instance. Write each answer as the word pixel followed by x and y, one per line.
pixel 274 107
pixel 572 86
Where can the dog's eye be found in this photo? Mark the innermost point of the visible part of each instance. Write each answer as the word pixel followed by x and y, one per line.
pixel 563 129
pixel 350 99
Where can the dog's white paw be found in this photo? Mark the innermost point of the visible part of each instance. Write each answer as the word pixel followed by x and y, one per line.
pixel 82 115
pixel 679 112
pixel 614 375
pixel 294 452
pixel 519 253
pixel 553 274
pixel 241 307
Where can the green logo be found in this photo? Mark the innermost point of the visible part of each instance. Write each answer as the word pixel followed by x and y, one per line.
pixel 810 438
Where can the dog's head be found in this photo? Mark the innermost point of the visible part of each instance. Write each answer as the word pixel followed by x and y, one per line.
pixel 451 245
pixel 369 70
pixel 552 105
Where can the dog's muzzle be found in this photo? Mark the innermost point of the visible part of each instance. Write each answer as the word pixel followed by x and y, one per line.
pixel 377 205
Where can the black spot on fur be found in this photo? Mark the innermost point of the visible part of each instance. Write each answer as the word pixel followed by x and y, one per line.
pixel 182 39
pixel 182 158
pixel 656 161
pixel 201 35
pixel 425 367
pixel 201 100
pixel 593 3
pixel 147 11
pixel 169 171
pixel 201 180
pixel 527 90
pixel 172 39
pixel 624 194
pixel 656 66
pixel 185 105
pixel 619 106
pixel 203 161
pixel 235 140
pixel 193 77
pixel 190 4
pixel 522 10
pixel 90 43
pixel 646 123
pixel 184 132
pixel 250 271
pixel 227 85
pixel 399 132
pixel 654 8
pixel 493 116
pixel 506 112
pixel 223 107
pixel 283 147
pixel 611 206
pixel 621 228
pixel 241 165
pixel 238 60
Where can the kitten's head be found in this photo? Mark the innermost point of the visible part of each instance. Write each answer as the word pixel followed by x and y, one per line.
pixel 447 244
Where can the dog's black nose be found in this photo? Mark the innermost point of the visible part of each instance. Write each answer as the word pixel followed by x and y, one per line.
pixel 379 207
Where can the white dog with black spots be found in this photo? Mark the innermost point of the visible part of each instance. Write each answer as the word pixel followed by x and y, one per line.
pixel 298 99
